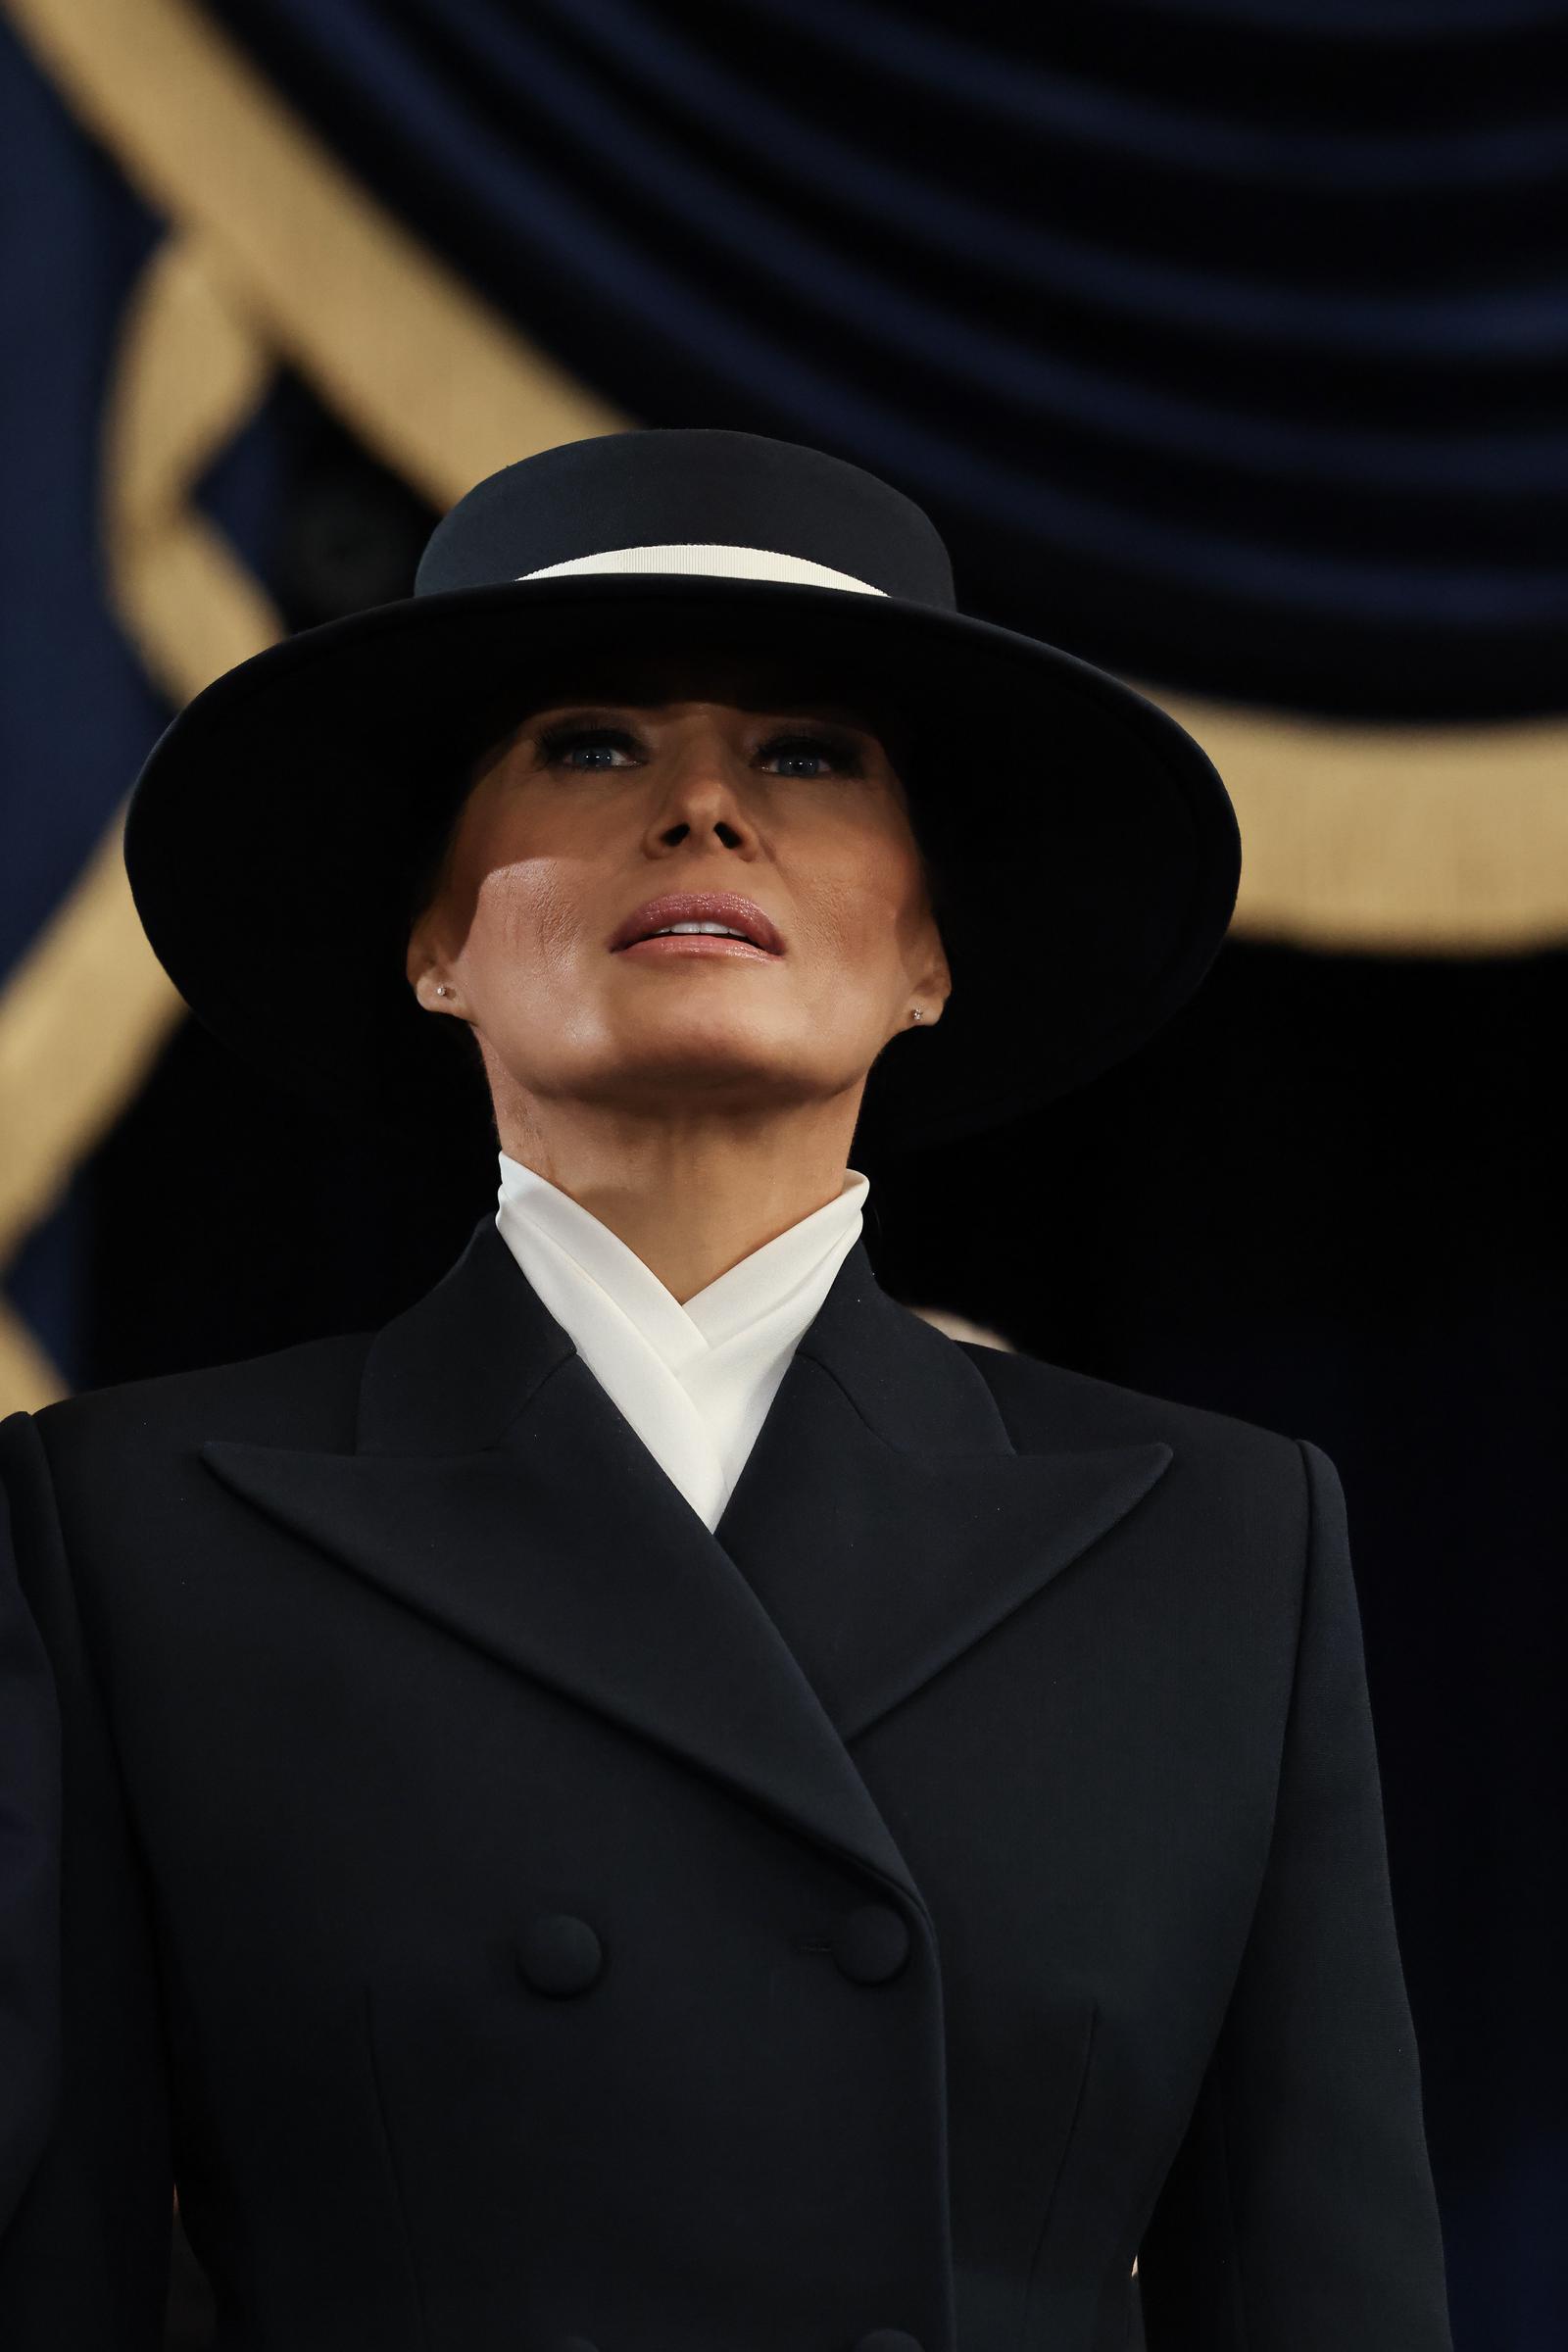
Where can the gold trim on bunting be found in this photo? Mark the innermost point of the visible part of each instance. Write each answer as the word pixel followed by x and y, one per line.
pixel 1409 840
pixel 188 372
pixel 28 1379
pixel 1356 838
pixel 437 383
pixel 81 1018
pixel 275 251
pixel 1421 841
pixel 85 1012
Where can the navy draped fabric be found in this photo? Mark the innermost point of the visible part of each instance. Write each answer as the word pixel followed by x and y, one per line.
pixel 1228 344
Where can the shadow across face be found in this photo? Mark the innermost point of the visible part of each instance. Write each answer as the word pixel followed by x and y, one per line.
pixel 750 680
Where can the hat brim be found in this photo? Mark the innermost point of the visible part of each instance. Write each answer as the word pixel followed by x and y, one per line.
pixel 1088 848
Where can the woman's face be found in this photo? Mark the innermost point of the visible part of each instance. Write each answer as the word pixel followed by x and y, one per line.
pixel 724 779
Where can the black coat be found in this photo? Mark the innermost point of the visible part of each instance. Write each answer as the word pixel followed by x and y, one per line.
pixel 526 1921
pixel 29 1889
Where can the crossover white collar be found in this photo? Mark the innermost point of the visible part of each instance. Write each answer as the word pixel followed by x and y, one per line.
pixel 694 1380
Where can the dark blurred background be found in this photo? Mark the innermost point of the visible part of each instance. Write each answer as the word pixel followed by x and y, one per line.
pixel 1226 343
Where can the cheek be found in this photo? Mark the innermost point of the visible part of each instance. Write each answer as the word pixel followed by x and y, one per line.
pixel 857 919
pixel 523 925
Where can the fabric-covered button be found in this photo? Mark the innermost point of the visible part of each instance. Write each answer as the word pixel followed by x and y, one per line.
pixel 872 1944
pixel 887 2339
pixel 559 1954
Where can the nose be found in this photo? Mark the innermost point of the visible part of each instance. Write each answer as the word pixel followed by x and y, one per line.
pixel 703 794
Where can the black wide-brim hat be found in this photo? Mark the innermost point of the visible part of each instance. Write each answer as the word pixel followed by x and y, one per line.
pixel 1086 851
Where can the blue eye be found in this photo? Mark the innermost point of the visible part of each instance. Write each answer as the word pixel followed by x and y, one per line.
pixel 557 742
pixel 559 745
pixel 838 751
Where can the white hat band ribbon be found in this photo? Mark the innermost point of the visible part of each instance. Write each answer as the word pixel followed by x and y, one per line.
pixel 719 563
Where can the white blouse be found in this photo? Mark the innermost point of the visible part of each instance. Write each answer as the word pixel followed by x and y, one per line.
pixel 694 1381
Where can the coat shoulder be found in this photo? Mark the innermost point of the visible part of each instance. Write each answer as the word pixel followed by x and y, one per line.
pixel 1045 1405
pixel 303 1395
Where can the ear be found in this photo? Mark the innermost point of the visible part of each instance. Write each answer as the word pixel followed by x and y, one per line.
pixel 936 979
pixel 425 969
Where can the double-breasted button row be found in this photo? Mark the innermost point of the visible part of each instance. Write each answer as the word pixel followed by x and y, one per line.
pixel 871 1945
pixel 559 1955
pixel 880 2339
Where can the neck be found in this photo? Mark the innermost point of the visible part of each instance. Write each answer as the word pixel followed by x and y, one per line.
pixel 691 1197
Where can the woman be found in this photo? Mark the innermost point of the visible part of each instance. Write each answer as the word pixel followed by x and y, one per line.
pixel 657 1803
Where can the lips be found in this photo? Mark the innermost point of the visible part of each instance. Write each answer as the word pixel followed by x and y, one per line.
pixel 700 906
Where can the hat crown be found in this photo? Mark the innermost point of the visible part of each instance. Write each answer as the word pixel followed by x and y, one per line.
pixel 690 500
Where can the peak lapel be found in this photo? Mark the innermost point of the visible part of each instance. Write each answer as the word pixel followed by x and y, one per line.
pixel 883 1524
pixel 884 1517
pixel 498 1492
